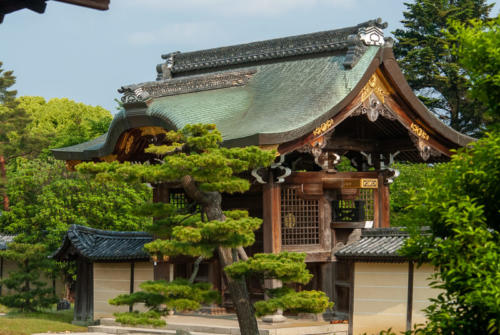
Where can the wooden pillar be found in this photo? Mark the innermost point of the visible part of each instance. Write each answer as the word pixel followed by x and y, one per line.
pixel 271 214
pixel 409 300
pixel 84 300
pixel 271 209
pixel 132 282
pixel 352 269
pixel 383 201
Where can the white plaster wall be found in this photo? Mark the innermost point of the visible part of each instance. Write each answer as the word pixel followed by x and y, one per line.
pixel 112 279
pixel 380 294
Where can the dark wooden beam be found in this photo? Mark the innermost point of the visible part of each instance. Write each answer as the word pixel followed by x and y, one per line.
pixel 370 145
pixel 95 4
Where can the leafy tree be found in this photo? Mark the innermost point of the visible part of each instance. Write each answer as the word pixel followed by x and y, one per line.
pixel 476 46
pixel 29 292
pixel 463 212
pixel 64 122
pixel 193 159
pixel 422 49
pixel 13 120
pixel 405 187
pixel 47 199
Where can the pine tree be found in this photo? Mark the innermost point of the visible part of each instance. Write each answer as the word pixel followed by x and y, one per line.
pixel 193 160
pixel 13 121
pixel 28 292
pixel 423 51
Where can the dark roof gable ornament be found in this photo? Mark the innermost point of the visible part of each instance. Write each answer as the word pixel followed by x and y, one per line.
pixel 367 36
pixel 165 69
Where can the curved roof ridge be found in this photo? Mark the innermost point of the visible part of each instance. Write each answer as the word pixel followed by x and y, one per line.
pixel 103 245
pixel 277 48
pixel 110 233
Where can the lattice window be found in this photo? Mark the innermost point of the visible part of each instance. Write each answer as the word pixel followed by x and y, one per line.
pixel 178 199
pixel 299 219
pixel 367 195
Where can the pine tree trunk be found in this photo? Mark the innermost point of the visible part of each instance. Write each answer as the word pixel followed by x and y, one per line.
pixel 239 294
pixel 211 206
pixel 3 175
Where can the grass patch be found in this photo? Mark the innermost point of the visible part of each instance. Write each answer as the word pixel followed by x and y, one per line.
pixel 15 323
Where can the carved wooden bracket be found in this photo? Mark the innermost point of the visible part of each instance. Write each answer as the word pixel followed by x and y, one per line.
pixel 425 150
pixel 324 159
pixel 372 107
pixel 276 170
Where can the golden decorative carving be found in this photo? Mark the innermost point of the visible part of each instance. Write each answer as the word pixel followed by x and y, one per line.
pixel 128 144
pixel 360 183
pixel 152 131
pixel 376 86
pixel 325 126
pixel 369 183
pixel 417 130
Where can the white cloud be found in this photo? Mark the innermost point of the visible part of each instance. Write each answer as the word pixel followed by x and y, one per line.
pixel 175 33
pixel 239 7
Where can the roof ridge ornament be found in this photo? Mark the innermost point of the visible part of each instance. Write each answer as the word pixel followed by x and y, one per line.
pixel 369 34
pixel 165 69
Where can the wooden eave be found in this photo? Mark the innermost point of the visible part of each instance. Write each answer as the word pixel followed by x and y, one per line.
pixel 399 98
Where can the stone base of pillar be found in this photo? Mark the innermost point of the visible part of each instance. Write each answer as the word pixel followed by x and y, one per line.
pixel 274 318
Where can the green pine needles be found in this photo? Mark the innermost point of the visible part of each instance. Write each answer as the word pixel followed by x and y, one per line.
pixel 160 297
pixel 288 267
pixel 28 291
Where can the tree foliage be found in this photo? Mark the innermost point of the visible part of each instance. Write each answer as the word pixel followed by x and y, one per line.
pixel 477 47
pixel 423 50
pixel 47 198
pixel 463 212
pixel 28 291
pixel 406 187
pixel 161 296
pixel 64 122
pixel 287 267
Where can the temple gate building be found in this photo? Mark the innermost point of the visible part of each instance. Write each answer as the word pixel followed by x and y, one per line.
pixel 314 98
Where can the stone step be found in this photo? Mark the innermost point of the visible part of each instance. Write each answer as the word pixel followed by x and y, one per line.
pixel 201 326
pixel 133 330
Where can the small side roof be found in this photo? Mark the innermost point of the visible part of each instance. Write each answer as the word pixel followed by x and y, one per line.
pixel 102 245
pixel 376 245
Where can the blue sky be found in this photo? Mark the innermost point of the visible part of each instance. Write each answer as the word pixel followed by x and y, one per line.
pixel 86 55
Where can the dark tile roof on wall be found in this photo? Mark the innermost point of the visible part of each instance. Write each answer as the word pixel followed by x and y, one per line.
pixel 377 244
pixel 102 245
pixel 4 240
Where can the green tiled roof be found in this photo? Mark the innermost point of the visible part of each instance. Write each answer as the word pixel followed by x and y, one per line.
pixel 279 98
pixel 265 92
